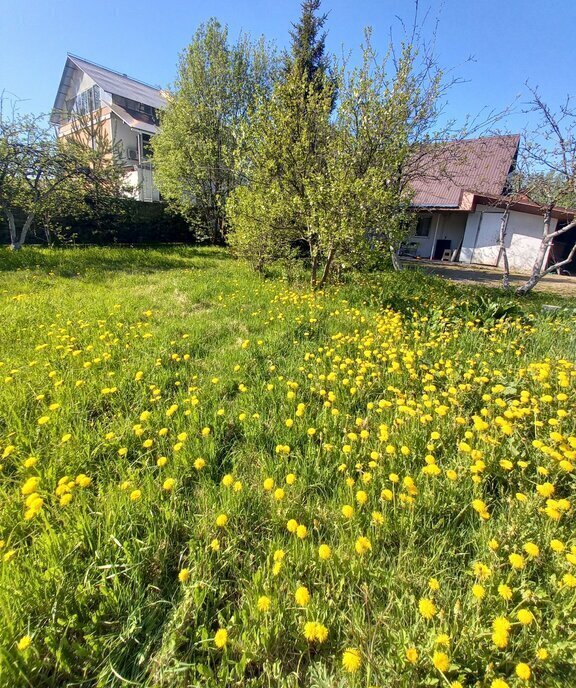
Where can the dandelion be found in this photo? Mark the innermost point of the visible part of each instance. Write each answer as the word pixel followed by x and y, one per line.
pixel 221 638
pixel 351 660
pixel 427 608
pixel 516 561
pixel 199 464
pixel 505 591
pixel 347 511
pixel 499 683
pixel 523 671
pixel 362 545
pixel 324 552
pixel 136 495
pixel 478 591
pixel 215 545
pixel 221 520
pixel 184 575
pixel 531 549
pixel 315 632
pixel 301 531
pixel 302 596
pixel 412 655
pixel 168 484
pixel 263 604
pixel 525 617
pixel 292 525
pixel 441 661
pixel 24 643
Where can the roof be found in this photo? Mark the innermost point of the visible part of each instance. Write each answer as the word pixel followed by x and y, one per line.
pixel 480 165
pixel 109 81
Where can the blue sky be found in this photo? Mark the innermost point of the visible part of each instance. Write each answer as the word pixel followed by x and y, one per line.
pixel 511 41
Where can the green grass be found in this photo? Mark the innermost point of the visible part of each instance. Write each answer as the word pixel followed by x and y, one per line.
pixel 394 372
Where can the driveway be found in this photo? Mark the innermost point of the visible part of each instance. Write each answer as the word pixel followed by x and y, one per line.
pixel 492 277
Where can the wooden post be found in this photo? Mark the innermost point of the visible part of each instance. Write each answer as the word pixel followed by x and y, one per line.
pixel 435 236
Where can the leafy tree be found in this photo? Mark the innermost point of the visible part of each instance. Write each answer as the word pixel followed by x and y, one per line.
pixel 337 182
pixel 34 167
pixel 43 178
pixel 194 149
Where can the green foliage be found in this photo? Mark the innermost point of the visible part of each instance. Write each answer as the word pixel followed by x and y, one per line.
pixel 113 348
pixel 194 149
pixel 332 183
pixel 43 177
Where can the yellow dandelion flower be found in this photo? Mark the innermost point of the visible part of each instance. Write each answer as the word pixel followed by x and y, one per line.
pixel 441 661
pixel 221 638
pixel 412 655
pixel 302 596
pixel 427 608
pixel 351 659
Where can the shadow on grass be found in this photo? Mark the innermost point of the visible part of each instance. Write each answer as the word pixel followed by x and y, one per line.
pixel 92 260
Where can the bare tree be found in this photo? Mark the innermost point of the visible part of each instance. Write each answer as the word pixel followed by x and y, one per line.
pixel 547 177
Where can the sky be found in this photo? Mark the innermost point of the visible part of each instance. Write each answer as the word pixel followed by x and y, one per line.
pixel 493 46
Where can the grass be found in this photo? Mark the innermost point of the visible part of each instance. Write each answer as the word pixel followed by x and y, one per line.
pixel 441 416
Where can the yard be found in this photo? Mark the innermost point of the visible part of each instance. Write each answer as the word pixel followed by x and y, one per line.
pixel 211 479
pixel 552 284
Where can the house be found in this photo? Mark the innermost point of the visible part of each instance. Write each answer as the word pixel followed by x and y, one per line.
pixel 461 193
pixel 125 109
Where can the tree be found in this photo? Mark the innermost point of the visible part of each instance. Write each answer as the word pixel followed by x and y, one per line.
pixel 34 167
pixel 43 178
pixel 193 153
pixel 547 176
pixel 334 174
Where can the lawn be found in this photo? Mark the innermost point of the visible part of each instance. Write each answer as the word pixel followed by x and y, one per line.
pixel 212 479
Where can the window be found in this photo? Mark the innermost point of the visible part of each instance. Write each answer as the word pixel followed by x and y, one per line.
pixel 85 102
pixel 146 147
pixel 423 226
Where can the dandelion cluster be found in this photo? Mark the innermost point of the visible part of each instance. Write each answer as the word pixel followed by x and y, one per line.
pixel 286 479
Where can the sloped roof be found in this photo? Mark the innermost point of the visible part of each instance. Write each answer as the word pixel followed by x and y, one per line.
pixel 109 81
pixel 446 170
pixel 120 84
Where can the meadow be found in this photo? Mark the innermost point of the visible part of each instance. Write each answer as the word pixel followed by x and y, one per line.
pixel 208 478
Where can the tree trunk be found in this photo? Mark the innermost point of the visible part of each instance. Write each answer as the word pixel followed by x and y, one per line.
pixel 327 267
pixel 537 274
pixel 503 251
pixel 25 228
pixel 12 225
pixel 314 271
pixel 396 264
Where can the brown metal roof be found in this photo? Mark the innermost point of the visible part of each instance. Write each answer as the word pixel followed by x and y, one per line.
pixel 481 165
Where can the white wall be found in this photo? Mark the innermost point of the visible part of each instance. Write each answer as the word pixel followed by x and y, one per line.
pixel 139 178
pixel 443 226
pixel 124 135
pixel 523 235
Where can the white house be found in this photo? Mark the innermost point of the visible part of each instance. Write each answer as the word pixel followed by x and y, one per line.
pixel 126 109
pixel 461 195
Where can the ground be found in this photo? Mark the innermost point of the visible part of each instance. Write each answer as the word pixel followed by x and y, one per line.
pixel 212 479
pixel 492 277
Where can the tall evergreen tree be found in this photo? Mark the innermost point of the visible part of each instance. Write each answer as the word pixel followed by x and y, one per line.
pixel 307 56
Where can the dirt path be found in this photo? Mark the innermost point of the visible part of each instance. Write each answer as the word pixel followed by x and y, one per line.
pixel 491 277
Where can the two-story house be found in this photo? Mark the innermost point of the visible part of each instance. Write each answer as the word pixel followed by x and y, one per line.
pixel 125 109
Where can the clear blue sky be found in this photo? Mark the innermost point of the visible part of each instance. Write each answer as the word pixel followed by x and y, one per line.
pixel 511 41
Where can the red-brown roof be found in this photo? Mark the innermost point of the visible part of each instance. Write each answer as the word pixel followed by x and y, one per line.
pixel 480 165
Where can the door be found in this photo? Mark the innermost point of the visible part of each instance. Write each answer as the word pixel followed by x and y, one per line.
pixel 441 246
